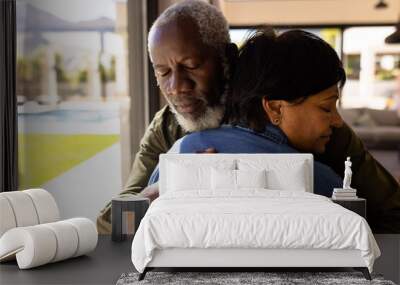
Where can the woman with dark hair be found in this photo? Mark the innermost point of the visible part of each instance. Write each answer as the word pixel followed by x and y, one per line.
pixel 292 81
pixel 283 100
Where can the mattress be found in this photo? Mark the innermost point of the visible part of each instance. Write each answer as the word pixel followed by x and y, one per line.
pixel 250 219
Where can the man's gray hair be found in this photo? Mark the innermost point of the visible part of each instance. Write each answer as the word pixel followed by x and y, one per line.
pixel 212 25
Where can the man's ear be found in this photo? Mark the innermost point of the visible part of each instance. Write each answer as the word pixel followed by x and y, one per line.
pixel 273 110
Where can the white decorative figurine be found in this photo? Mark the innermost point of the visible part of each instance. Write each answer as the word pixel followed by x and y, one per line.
pixel 347 174
pixel 345 193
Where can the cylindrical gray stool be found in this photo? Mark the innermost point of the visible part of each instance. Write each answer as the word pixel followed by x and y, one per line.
pixel 126 214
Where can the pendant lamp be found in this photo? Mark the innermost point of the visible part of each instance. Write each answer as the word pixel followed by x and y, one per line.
pixel 381 4
pixel 394 38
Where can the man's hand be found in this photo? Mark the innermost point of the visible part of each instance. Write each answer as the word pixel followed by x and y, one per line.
pixel 150 192
pixel 208 150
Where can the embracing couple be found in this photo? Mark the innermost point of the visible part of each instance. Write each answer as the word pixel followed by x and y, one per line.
pixel 276 94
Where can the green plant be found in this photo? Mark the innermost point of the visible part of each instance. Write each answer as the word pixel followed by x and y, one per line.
pixel 37 68
pixel 385 75
pixel 82 76
pixel 107 75
pixel 23 68
pixel 111 71
pixel 60 69
pixel 29 73
pixel 103 73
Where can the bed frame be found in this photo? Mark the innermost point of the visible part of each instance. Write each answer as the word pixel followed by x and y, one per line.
pixel 242 259
pixel 250 258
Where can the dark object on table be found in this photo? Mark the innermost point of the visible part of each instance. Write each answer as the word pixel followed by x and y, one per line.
pixel 357 205
pixel 126 215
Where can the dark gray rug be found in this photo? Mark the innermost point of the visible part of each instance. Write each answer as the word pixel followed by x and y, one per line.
pixel 269 278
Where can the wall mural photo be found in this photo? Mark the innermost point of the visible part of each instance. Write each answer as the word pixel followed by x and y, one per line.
pixel 72 96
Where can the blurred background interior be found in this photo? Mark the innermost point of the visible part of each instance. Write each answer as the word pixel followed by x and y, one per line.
pixel 86 90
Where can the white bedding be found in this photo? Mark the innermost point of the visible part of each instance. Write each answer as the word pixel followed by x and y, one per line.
pixel 252 218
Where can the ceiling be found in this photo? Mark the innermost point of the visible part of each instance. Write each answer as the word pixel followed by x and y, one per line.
pixel 308 12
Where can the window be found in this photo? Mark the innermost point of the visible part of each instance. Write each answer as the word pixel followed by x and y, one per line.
pixel 331 35
pixel 72 94
pixel 372 68
pixel 352 66
pixel 387 66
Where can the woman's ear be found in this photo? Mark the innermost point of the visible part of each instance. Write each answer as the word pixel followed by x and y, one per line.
pixel 273 110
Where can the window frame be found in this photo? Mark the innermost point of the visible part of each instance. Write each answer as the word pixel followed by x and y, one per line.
pixel 8 99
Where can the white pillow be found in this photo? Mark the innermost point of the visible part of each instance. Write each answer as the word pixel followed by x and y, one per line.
pixel 236 179
pixel 281 174
pixel 181 177
pixel 251 178
pixel 290 180
pixel 193 175
pixel 223 179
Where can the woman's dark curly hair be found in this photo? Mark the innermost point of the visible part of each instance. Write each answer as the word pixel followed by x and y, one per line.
pixel 291 66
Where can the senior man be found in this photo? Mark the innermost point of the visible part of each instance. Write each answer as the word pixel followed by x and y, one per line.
pixel 189 47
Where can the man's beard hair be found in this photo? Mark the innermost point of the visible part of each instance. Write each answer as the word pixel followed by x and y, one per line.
pixel 210 119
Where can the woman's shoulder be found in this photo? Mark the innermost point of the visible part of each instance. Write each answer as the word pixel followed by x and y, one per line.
pixel 231 139
pixel 326 177
pixel 223 132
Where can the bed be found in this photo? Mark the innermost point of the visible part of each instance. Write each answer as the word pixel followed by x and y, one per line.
pixel 246 211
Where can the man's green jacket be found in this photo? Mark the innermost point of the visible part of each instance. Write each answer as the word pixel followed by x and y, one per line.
pixel 371 180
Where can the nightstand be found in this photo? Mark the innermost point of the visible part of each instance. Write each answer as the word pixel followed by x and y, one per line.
pixel 358 205
pixel 126 214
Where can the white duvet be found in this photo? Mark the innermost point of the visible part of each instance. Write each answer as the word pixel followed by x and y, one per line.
pixel 250 219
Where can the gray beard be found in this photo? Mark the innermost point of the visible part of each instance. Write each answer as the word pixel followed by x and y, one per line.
pixel 209 120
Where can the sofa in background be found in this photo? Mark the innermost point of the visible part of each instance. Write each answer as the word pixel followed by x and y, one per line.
pixel 378 129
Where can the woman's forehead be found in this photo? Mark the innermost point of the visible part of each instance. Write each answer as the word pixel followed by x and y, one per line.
pixel 331 93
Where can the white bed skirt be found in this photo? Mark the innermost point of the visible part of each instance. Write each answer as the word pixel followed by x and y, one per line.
pixel 236 257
